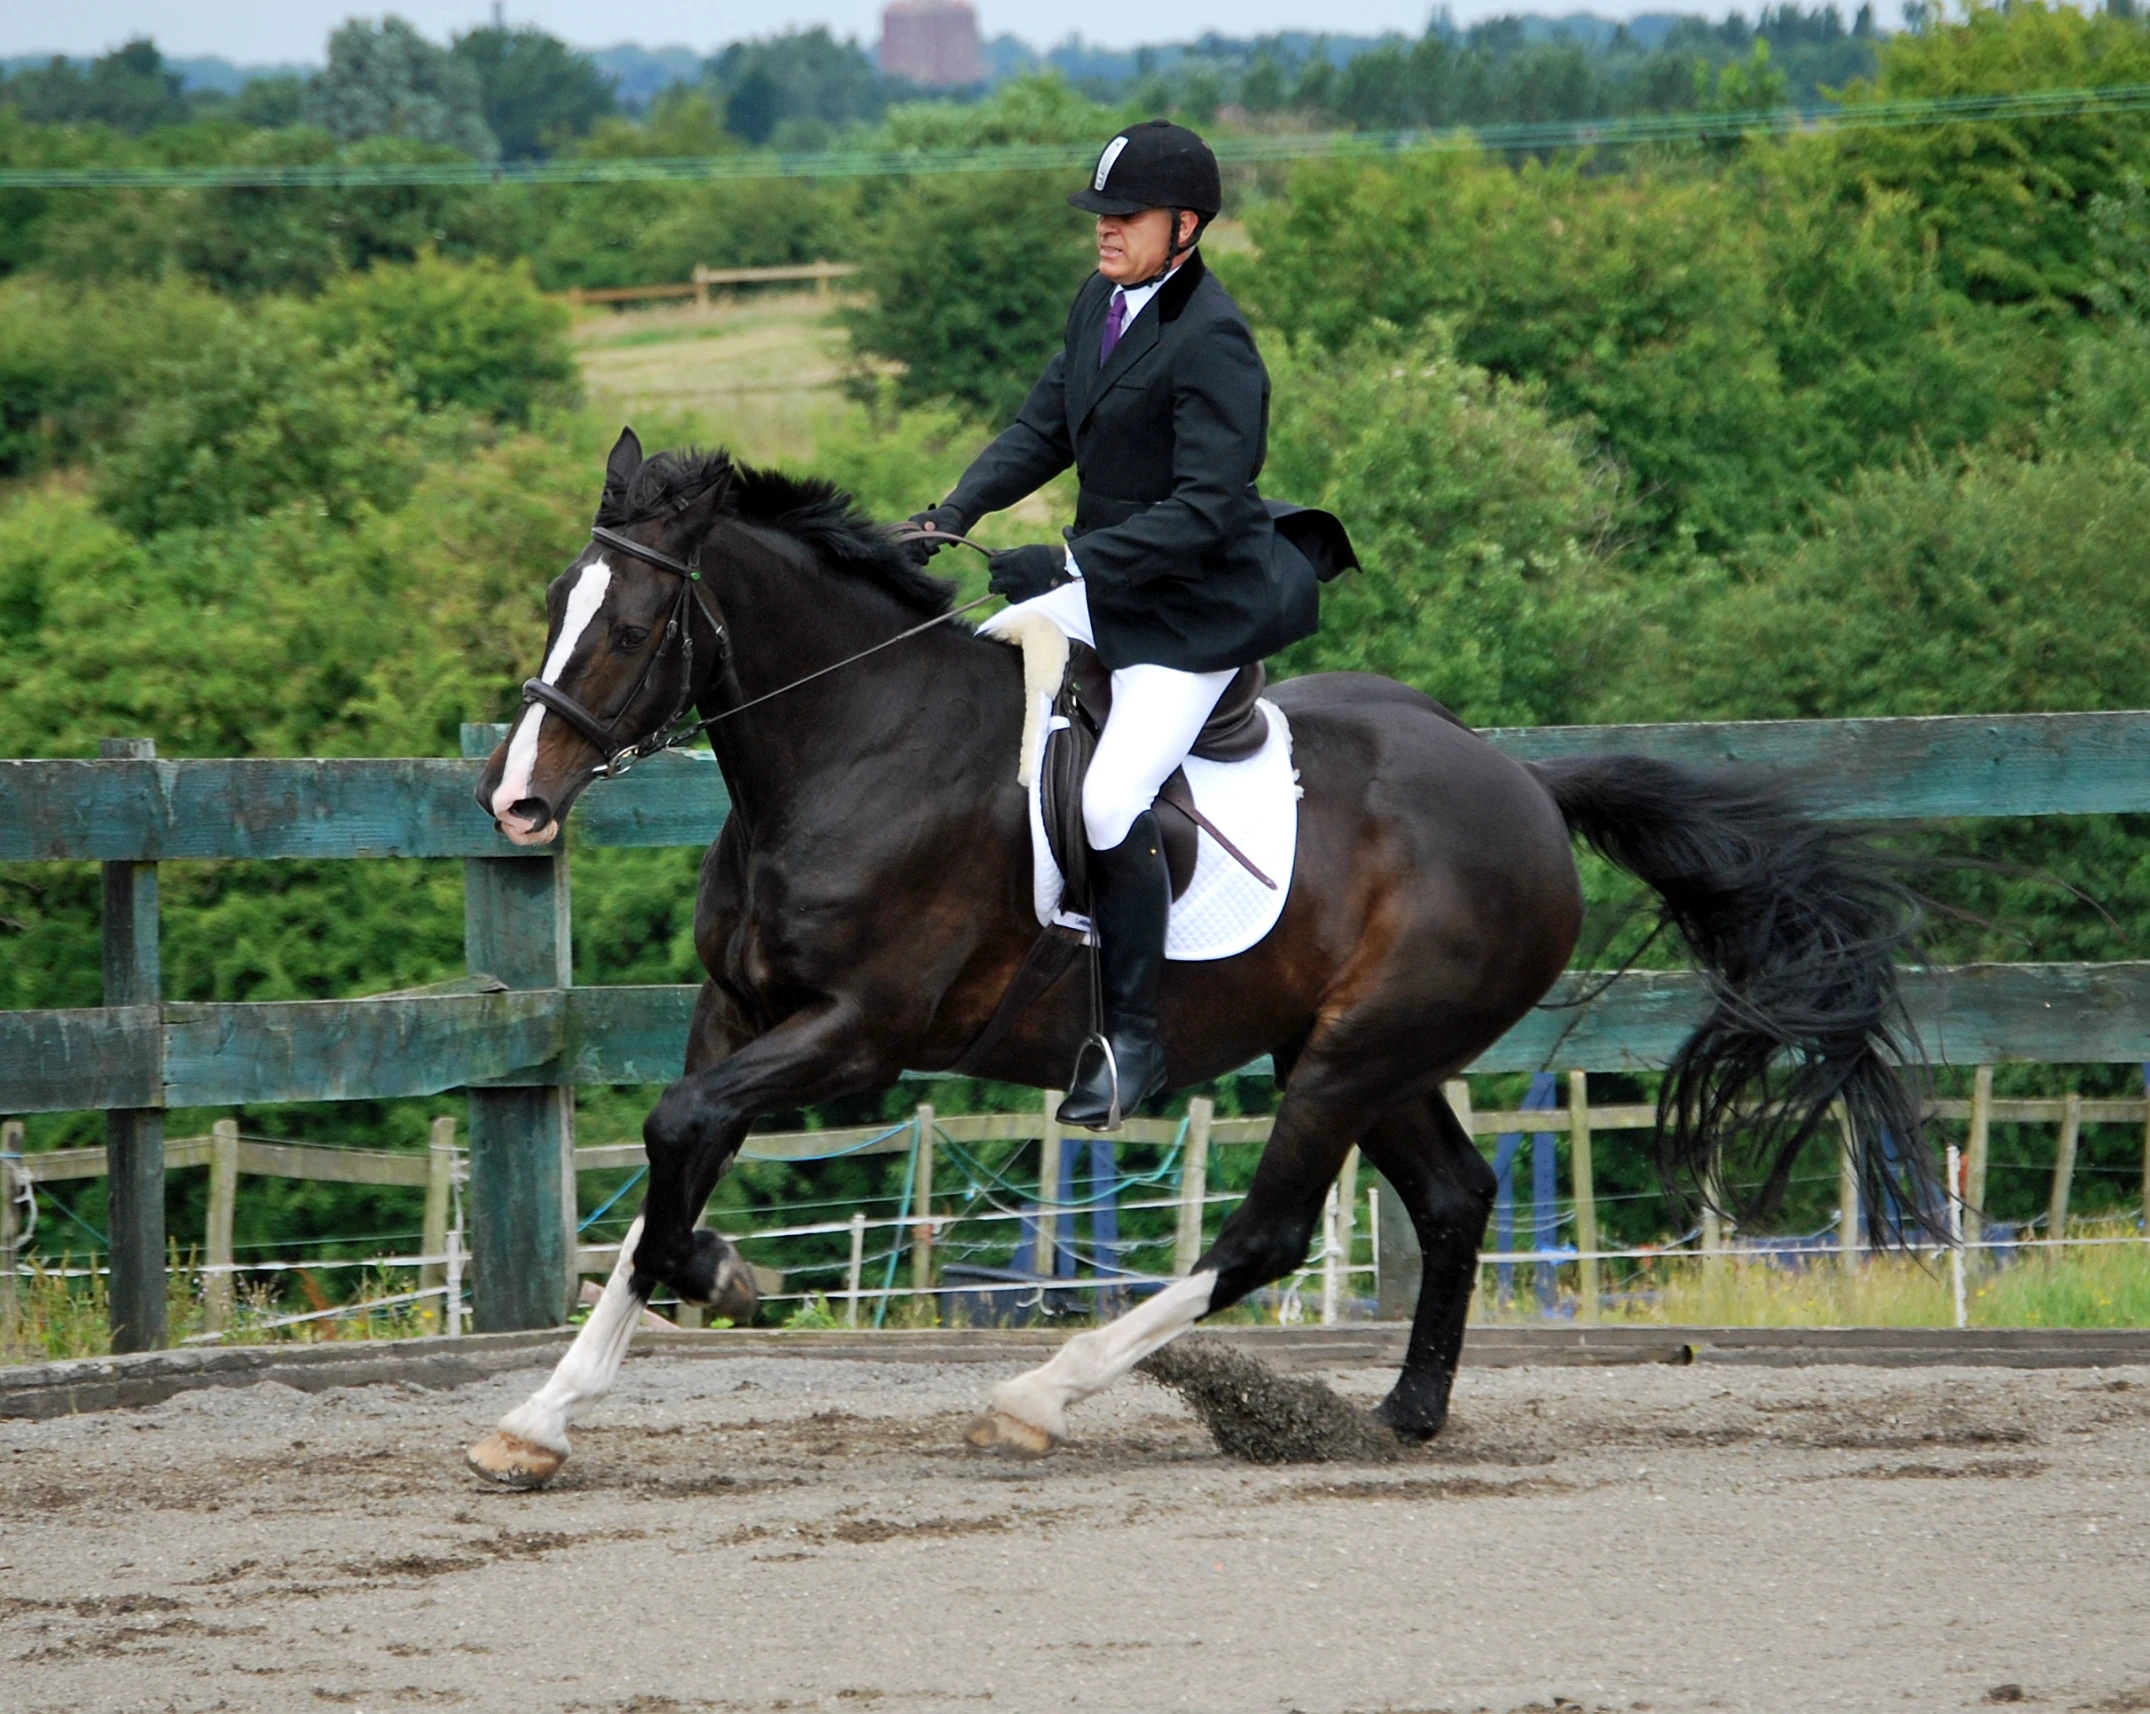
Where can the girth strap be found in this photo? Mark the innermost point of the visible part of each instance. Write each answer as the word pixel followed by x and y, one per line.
pixel 1051 956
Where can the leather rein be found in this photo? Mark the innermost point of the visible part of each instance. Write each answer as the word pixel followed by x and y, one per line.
pixel 669 732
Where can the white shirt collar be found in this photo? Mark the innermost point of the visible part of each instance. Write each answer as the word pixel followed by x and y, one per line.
pixel 1137 296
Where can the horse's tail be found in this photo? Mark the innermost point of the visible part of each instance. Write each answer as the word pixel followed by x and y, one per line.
pixel 1796 924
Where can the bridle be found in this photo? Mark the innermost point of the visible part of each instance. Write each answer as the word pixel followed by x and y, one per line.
pixel 674 730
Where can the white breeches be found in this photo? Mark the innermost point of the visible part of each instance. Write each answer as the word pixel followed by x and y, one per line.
pixel 1157 714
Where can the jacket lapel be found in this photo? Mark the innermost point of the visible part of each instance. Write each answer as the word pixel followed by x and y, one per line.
pixel 1082 377
pixel 1138 340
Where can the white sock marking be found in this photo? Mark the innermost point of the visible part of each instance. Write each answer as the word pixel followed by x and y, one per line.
pixel 583 602
pixel 1090 1362
pixel 585 1375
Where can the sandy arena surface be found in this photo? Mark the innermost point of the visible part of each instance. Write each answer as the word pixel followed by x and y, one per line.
pixel 798 1533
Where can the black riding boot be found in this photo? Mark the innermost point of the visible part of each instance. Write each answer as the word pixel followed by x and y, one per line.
pixel 1130 893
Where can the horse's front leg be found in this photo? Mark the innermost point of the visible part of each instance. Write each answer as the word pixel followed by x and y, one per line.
pixel 692 1135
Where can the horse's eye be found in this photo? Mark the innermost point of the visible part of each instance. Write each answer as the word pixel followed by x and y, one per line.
pixel 629 638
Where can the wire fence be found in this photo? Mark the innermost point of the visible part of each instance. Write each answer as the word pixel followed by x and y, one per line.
pixel 1004 1242
pixel 1533 136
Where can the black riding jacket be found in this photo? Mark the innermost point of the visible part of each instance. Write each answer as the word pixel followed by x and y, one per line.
pixel 1182 558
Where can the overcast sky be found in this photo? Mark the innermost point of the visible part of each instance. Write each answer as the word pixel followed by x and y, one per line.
pixel 266 31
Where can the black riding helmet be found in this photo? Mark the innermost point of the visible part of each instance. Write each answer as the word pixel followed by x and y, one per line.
pixel 1156 164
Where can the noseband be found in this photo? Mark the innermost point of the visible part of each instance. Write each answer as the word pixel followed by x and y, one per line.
pixel 679 625
pixel 673 730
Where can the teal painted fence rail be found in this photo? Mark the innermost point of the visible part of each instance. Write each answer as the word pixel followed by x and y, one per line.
pixel 518 1038
pixel 349 1050
pixel 164 811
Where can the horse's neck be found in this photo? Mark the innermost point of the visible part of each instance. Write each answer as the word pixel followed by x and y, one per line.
pixel 786 623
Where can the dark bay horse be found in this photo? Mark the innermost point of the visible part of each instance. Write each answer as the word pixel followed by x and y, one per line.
pixel 869 900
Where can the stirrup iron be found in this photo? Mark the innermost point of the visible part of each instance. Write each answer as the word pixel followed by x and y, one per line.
pixel 1103 1043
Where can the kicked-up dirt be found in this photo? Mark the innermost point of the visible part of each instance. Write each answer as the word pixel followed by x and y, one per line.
pixel 764 1533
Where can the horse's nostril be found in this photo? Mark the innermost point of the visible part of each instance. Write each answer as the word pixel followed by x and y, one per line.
pixel 532 811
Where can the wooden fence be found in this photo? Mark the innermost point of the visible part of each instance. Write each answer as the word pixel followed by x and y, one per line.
pixel 441 1169
pixel 820 274
pixel 518 1036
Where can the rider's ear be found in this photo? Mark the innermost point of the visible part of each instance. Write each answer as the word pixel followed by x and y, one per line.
pixel 620 467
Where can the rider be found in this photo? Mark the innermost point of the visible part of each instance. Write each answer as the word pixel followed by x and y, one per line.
pixel 1174 570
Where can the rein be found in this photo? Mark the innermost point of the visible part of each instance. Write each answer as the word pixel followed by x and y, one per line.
pixel 669 733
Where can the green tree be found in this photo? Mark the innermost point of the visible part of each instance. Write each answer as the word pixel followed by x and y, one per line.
pixel 970 277
pixel 474 335
pixel 799 75
pixel 128 89
pixel 2004 202
pixel 259 417
pixel 1484 527
pixel 536 90
pixel 386 80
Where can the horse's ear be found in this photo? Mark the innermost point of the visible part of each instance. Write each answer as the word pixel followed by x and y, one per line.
pixel 620 467
pixel 696 512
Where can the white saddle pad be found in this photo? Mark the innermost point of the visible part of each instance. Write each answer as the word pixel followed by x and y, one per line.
pixel 1255 803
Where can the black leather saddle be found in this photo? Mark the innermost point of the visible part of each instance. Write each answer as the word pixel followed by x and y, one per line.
pixel 1235 730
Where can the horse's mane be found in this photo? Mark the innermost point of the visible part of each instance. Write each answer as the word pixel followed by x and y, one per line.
pixel 818 515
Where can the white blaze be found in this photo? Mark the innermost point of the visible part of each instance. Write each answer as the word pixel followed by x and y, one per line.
pixel 583 602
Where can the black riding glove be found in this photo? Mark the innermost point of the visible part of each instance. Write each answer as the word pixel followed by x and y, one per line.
pixel 944 518
pixel 1023 574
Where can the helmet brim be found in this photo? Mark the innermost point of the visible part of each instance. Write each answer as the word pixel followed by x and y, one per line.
pixel 1096 202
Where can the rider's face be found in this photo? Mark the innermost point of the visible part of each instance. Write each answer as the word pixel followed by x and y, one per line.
pixel 1132 247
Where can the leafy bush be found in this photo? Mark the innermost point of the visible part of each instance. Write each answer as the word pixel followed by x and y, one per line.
pixel 1740 343
pixel 257 418
pixel 469 334
pixel 2003 201
pixel 72 363
pixel 1481 523
pixel 970 278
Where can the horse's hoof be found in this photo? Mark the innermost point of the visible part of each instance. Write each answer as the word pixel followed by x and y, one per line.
pixel 514 1463
pixel 997 1431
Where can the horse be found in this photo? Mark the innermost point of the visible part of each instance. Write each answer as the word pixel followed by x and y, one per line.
pixel 868 903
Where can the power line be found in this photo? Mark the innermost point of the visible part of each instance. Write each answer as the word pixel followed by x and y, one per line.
pixel 1041 157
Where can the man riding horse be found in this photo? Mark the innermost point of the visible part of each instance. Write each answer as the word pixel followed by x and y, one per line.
pixel 1174 571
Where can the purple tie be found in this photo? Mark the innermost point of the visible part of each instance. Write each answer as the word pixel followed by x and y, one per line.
pixel 1115 321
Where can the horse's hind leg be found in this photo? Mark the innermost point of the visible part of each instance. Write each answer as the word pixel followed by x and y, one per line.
pixel 1266 1237
pixel 1447 1188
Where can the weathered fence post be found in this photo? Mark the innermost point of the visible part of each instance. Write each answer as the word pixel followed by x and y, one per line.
pixel 2146 1151
pixel 134 1139
pixel 1194 1185
pixel 1848 1215
pixel 516 926
pixel 857 1268
pixel 1974 1155
pixel 1049 1189
pixel 1955 1236
pixel 217 1284
pixel 433 1239
pixel 922 1204
pixel 702 271
pixel 10 1153
pixel 1584 1172
pixel 1331 1282
pixel 1347 1220
pixel 2071 1128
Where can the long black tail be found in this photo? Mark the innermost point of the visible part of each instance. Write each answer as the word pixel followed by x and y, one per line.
pixel 1796 925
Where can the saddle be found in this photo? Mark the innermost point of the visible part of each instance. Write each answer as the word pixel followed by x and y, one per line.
pixel 1235 730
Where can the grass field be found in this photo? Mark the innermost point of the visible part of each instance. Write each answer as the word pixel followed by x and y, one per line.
pixel 2101 1284
pixel 764 372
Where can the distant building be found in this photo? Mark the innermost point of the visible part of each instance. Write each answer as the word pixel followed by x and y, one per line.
pixel 931 42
